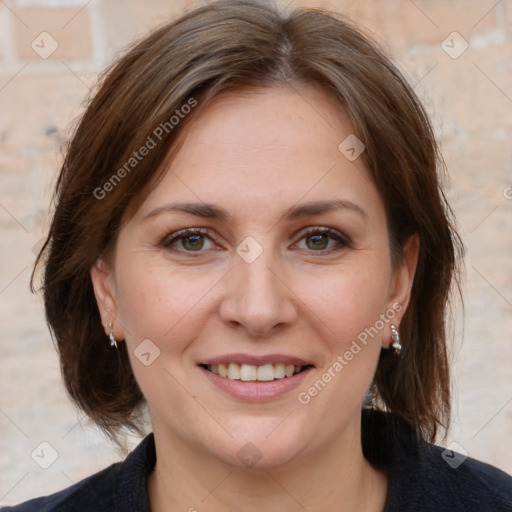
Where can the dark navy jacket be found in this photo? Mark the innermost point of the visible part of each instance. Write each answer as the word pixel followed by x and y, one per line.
pixel 422 477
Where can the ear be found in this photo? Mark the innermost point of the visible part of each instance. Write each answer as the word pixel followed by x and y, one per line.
pixel 102 277
pixel 403 278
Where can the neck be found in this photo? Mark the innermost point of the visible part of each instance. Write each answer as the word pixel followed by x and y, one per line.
pixel 185 480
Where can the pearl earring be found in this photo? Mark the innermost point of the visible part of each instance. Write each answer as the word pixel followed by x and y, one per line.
pixel 113 341
pixel 396 340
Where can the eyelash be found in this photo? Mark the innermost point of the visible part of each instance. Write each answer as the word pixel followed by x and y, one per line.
pixel 342 241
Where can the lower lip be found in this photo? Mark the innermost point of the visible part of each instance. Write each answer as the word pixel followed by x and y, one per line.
pixel 256 391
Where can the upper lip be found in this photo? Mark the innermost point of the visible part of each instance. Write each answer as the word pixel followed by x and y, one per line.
pixel 257 360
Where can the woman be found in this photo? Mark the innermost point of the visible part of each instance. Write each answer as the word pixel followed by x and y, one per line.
pixel 250 238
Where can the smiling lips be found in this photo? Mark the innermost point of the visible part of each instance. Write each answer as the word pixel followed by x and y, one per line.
pixel 266 386
pixel 251 372
pixel 247 368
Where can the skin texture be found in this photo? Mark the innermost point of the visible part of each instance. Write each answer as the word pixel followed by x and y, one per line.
pixel 257 154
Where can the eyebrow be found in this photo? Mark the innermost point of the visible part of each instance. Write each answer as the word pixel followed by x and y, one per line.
pixel 212 211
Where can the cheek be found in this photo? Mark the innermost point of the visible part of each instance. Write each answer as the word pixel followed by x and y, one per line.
pixel 157 302
pixel 350 311
pixel 348 301
pixel 164 306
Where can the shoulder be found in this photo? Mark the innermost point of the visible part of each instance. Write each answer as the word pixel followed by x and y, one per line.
pixel 121 487
pixel 449 477
pixel 426 477
pixel 92 493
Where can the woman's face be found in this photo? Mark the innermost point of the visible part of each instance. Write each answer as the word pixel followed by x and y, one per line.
pixel 286 266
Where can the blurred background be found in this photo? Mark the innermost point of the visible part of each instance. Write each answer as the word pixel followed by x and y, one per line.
pixel 458 56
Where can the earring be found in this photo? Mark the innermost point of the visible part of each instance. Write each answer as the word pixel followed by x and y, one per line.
pixel 113 341
pixel 396 340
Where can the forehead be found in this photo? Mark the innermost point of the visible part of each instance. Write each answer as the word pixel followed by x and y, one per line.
pixel 267 147
pixel 272 121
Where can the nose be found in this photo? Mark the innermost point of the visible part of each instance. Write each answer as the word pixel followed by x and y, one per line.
pixel 257 296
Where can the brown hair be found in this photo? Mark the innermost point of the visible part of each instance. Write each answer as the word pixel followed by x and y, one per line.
pixel 223 47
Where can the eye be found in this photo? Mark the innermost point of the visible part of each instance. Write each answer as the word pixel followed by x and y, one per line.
pixel 319 239
pixel 188 240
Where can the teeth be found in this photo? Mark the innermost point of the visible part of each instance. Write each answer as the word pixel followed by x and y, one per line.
pixel 265 372
pixel 279 371
pixel 251 372
pixel 247 372
pixel 234 371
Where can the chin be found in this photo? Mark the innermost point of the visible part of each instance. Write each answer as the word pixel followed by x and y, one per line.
pixel 263 448
pixel 261 456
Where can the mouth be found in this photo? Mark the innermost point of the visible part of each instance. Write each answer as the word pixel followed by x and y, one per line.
pixel 256 378
pixel 255 373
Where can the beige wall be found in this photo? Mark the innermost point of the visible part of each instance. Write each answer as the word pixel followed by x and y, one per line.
pixel 469 96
